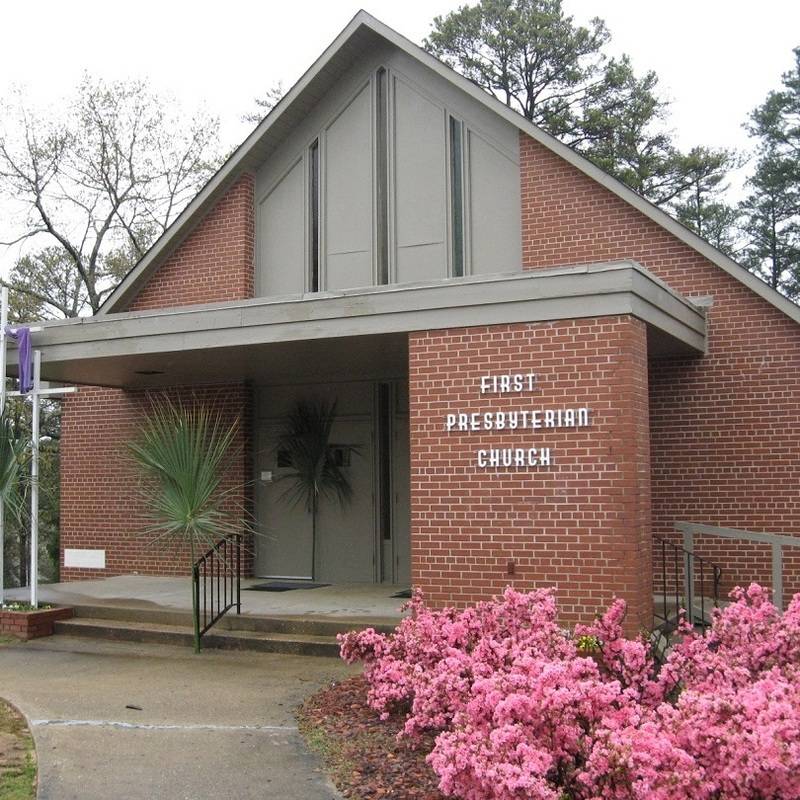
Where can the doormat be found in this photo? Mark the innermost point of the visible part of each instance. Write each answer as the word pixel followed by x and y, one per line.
pixel 284 586
pixel 405 594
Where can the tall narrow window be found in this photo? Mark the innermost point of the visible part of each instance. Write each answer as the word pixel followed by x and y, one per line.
pixel 385 463
pixel 457 194
pixel 381 127
pixel 313 159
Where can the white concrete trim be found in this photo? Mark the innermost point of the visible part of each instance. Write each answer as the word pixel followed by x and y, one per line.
pixel 534 296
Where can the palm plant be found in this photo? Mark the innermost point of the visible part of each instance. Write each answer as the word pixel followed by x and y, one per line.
pixel 314 474
pixel 182 452
pixel 13 452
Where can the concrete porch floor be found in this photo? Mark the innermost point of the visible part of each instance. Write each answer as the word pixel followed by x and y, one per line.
pixel 353 601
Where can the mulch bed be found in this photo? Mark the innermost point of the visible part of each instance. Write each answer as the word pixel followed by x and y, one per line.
pixel 361 753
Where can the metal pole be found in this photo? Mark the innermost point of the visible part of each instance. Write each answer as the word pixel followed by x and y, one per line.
pixel 3 342
pixel 777 576
pixel 34 571
pixel 196 606
pixel 688 576
pixel 238 573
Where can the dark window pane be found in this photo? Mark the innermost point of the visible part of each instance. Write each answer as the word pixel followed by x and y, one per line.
pixel 457 194
pixel 381 125
pixel 385 459
pixel 314 192
pixel 340 455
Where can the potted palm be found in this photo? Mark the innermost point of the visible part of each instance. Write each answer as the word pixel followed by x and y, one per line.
pixel 182 452
pixel 313 473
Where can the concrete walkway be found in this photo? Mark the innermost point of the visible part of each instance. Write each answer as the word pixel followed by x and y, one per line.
pixel 356 601
pixel 216 725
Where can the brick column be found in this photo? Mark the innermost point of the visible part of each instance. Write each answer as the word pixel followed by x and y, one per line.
pixel 581 524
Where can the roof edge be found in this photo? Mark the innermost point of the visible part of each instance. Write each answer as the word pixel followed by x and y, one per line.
pixel 531 297
pixel 222 178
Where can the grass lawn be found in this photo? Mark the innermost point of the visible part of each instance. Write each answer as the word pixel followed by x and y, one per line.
pixel 17 756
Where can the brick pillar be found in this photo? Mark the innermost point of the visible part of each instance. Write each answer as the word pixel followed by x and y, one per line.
pixel 581 524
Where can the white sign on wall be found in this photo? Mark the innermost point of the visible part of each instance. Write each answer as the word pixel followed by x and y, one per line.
pixel 85 559
pixel 522 419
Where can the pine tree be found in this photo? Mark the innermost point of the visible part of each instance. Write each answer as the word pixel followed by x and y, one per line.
pixel 700 206
pixel 772 209
pixel 535 59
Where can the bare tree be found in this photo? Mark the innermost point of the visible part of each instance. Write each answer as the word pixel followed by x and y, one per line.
pixel 45 284
pixel 98 184
pixel 265 104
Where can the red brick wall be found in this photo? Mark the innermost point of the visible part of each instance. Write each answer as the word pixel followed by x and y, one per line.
pixel 582 524
pixel 32 624
pixel 725 428
pixel 101 503
pixel 724 433
pixel 215 262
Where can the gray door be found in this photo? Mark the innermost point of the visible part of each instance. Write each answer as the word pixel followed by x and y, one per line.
pixel 401 512
pixel 283 543
pixel 346 536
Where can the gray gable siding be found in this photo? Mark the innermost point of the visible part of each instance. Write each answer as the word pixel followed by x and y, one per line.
pixel 280 221
pixel 419 229
pixel 348 195
pixel 419 169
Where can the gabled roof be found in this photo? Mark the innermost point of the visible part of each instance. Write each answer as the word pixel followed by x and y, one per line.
pixel 361 33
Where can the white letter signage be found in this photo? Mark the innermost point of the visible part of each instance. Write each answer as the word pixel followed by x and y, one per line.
pixel 514 419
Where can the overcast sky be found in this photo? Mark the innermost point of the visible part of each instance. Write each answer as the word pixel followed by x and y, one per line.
pixel 716 59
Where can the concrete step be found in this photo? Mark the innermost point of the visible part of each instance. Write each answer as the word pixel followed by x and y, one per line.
pixel 151 632
pixel 307 625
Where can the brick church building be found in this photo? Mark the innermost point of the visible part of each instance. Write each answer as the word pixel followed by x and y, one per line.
pixel 543 373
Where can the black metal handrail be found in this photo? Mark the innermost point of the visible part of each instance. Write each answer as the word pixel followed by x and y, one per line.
pixel 220 573
pixel 678 583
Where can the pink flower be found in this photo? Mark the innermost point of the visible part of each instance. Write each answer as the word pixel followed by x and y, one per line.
pixel 520 713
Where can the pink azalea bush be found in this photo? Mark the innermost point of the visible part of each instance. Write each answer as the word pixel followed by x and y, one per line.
pixel 522 708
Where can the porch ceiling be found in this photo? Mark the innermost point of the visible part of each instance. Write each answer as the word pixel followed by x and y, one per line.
pixel 356 358
pixel 353 334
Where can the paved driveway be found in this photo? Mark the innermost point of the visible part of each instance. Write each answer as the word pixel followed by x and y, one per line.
pixel 216 725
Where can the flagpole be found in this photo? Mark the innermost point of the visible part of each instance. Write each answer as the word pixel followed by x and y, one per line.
pixel 34 574
pixel 3 342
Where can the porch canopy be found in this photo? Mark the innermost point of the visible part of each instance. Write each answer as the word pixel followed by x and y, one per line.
pixel 356 333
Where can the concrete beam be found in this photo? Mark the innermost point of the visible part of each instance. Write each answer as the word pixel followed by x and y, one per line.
pixel 535 296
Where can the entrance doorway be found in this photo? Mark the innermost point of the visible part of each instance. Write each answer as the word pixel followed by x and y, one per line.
pixel 368 539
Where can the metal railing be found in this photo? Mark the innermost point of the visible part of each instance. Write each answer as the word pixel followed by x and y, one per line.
pixel 775 540
pixel 682 573
pixel 216 584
